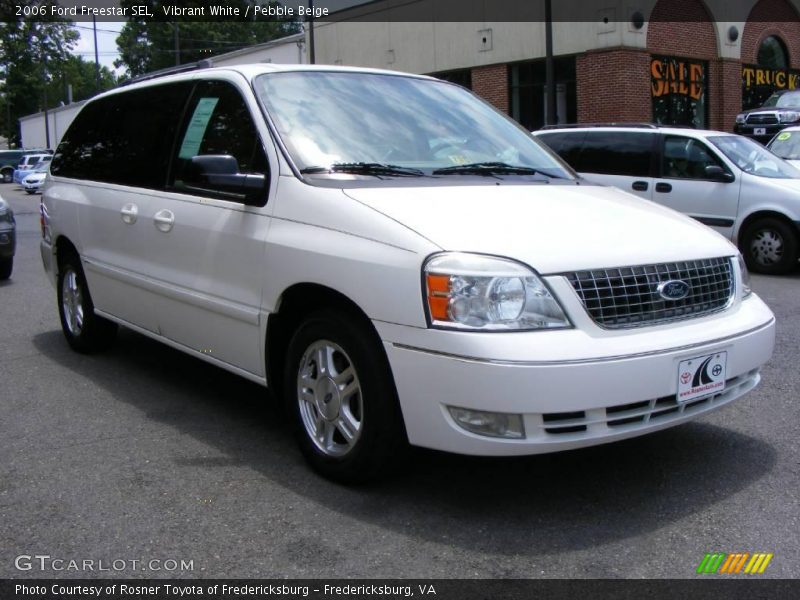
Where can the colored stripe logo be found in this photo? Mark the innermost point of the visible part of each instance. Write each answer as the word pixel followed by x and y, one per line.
pixel 733 564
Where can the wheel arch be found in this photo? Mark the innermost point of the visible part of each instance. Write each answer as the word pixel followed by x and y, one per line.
pixel 294 304
pixel 62 247
pixel 763 214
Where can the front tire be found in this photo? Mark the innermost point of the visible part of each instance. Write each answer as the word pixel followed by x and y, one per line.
pixel 8 176
pixel 85 331
pixel 770 246
pixel 341 398
pixel 6 266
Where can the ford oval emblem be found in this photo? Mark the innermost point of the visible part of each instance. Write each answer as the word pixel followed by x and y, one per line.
pixel 674 289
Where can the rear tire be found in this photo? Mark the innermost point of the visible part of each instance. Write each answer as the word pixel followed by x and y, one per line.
pixel 85 331
pixel 8 176
pixel 341 398
pixel 6 266
pixel 770 246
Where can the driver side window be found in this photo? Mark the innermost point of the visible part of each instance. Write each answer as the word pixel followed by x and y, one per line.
pixel 218 152
pixel 686 158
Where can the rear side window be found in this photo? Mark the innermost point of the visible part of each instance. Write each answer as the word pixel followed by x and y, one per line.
pixel 125 138
pixel 566 144
pixel 617 153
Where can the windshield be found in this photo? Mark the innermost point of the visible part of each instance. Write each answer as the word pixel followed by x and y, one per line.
pixel 753 158
pixel 786 145
pixel 785 100
pixel 359 121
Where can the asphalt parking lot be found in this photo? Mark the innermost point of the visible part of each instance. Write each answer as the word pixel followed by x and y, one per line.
pixel 144 454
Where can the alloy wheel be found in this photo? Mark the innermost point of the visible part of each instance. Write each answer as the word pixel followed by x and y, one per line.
pixel 330 398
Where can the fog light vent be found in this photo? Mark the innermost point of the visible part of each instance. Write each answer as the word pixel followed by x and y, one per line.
pixel 491 424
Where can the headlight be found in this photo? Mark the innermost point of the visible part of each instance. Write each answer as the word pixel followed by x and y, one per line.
pixel 746 290
pixel 6 215
pixel 486 293
pixel 788 117
pixel 741 119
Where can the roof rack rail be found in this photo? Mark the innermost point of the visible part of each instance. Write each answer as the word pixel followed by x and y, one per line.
pixel 615 124
pixel 204 63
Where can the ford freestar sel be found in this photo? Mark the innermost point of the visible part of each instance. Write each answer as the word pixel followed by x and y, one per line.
pixel 396 259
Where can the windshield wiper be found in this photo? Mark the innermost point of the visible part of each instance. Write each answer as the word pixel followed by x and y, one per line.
pixel 494 168
pixel 365 168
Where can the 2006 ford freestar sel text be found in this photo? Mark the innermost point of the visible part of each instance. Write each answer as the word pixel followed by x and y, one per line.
pixel 399 261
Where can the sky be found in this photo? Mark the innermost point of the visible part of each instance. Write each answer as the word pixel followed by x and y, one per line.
pixel 107 32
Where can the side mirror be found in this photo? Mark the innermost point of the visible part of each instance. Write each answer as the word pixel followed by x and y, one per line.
pixel 717 173
pixel 219 173
pixel 216 164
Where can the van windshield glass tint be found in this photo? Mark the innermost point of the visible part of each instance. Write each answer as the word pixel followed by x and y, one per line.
pixel 332 118
pixel 753 158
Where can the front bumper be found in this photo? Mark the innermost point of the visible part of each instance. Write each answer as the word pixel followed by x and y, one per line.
pixel 770 131
pixel 32 185
pixel 573 388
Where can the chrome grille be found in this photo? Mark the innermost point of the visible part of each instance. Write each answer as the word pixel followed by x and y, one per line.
pixel 625 297
pixel 762 119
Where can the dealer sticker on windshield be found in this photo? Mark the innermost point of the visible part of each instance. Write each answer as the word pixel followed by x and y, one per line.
pixel 701 376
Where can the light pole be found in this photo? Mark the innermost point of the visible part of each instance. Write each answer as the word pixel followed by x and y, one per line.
pixel 177 44
pixel 311 57
pixel 549 67
pixel 43 54
pixel 96 58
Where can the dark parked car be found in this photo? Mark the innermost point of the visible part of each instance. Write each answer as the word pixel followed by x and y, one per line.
pixel 781 110
pixel 8 162
pixel 8 239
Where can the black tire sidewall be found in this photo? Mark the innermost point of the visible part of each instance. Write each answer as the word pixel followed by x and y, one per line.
pixel 790 246
pixel 382 435
pixel 96 333
pixel 6 267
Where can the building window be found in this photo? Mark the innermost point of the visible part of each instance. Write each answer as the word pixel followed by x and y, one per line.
pixel 679 91
pixel 527 92
pixel 772 53
pixel 771 74
pixel 462 77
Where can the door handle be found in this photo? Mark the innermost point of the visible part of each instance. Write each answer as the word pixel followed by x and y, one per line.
pixel 129 213
pixel 639 186
pixel 164 220
pixel 664 188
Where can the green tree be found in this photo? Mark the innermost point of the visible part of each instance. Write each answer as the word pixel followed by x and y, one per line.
pixel 31 54
pixel 146 45
pixel 81 75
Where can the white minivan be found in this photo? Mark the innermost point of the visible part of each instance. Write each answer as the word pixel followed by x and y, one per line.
pixel 397 260
pixel 725 181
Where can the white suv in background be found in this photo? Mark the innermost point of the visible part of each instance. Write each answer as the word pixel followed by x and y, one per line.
pixel 725 181
pixel 396 259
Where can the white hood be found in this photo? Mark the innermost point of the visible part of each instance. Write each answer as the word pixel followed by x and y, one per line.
pixel 553 228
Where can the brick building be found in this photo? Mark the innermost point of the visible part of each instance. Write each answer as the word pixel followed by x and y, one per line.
pixel 686 62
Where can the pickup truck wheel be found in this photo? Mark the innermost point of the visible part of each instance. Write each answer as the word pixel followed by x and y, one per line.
pixel 6 266
pixel 770 246
pixel 85 331
pixel 341 398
